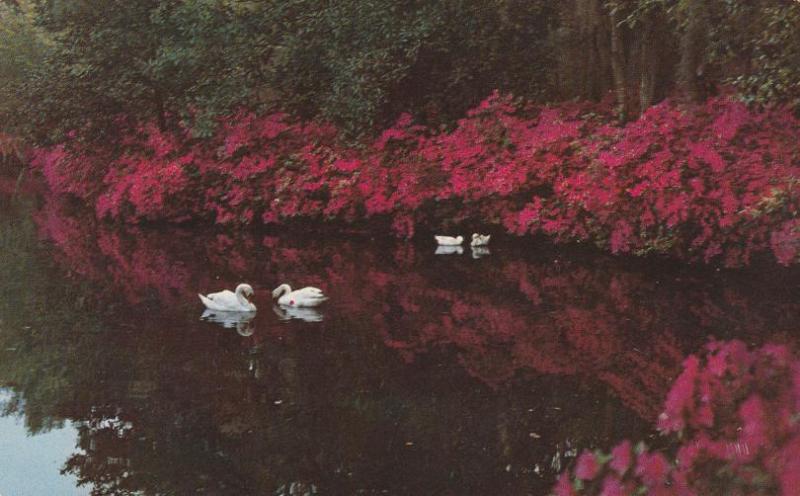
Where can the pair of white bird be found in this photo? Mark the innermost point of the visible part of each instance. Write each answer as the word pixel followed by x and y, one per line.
pixel 238 300
pixel 477 240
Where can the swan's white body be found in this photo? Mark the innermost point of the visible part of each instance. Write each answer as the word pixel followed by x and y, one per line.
pixel 449 250
pixel 449 240
pixel 304 297
pixel 480 239
pixel 230 301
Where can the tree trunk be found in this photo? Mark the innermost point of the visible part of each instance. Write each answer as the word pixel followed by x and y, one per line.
pixel 647 64
pixel 590 29
pixel 618 65
pixel 692 50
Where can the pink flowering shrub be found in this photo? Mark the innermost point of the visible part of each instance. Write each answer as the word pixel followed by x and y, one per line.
pixel 733 413
pixel 710 182
pixel 703 182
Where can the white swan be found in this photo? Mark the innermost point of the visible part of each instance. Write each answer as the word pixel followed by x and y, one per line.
pixel 304 297
pixel 449 240
pixel 480 239
pixel 229 301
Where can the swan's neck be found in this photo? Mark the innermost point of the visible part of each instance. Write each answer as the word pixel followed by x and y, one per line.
pixel 285 289
pixel 242 299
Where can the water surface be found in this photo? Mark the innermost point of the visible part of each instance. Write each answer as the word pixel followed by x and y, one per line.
pixel 425 373
pixel 31 465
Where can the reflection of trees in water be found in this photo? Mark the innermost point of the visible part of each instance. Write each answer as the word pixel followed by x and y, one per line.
pixel 47 327
pixel 163 409
pixel 595 318
pixel 337 406
pixel 346 434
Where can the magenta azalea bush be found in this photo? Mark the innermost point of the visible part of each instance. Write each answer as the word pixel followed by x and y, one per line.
pixel 734 415
pixel 710 182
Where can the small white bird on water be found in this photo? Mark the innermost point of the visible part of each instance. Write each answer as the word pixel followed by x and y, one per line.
pixel 449 240
pixel 304 297
pixel 230 301
pixel 480 239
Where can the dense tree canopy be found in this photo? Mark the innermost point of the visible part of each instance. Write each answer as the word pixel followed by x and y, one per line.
pixel 85 64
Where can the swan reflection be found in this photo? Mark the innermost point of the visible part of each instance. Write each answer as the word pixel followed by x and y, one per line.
pixel 297 489
pixel 449 250
pixel 241 321
pixel 307 314
pixel 480 251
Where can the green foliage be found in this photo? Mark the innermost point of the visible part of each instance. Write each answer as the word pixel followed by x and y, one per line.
pixel 343 59
pixel 362 63
pixel 763 37
pixel 148 60
pixel 23 49
pixel 755 45
pixel 355 63
pixel 83 64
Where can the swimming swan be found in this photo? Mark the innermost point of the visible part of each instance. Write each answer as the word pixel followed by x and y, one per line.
pixel 229 301
pixel 449 240
pixel 304 297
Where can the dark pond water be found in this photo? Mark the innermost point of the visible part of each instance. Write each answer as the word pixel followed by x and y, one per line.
pixel 423 374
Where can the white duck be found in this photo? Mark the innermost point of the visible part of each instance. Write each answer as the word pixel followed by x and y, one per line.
pixel 449 240
pixel 480 239
pixel 230 301
pixel 304 297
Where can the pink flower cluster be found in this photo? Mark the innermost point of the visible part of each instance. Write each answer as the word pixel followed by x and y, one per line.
pixel 734 413
pixel 716 181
